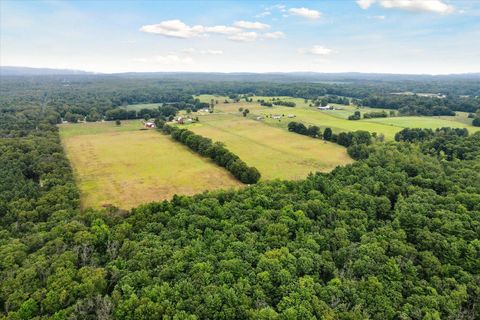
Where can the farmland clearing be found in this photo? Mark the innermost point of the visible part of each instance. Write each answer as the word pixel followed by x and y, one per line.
pixel 124 166
pixel 277 154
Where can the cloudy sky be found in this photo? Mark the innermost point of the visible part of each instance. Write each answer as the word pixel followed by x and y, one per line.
pixel 388 36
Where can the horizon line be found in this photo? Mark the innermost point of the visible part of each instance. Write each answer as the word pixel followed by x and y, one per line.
pixel 241 72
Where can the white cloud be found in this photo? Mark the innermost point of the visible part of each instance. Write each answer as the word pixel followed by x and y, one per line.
pixel 251 25
pixel 305 12
pixel 208 51
pixel 223 29
pixel 434 6
pixel 274 35
pixel 379 17
pixel 244 36
pixel 173 28
pixel 178 29
pixel 280 7
pixel 263 14
pixel 317 50
pixel 365 4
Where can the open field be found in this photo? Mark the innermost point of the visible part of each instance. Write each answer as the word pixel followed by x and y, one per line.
pixel 230 107
pixel 323 119
pixel 337 119
pixel 273 151
pixel 423 122
pixel 138 107
pixel 125 166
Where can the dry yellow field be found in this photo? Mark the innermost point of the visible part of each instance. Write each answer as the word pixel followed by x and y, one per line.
pixel 275 152
pixel 125 166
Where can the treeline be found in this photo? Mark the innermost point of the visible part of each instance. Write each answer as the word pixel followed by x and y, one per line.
pixel 216 151
pixel 300 128
pixel 356 142
pixel 445 143
pixel 419 105
pixel 369 115
pixel 380 114
pixel 290 104
pixel 276 102
pixel 323 101
pixel 422 134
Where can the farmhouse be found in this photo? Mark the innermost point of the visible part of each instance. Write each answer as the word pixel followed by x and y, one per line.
pixel 276 116
pixel 291 116
pixel 327 107
pixel 180 120
pixel 149 124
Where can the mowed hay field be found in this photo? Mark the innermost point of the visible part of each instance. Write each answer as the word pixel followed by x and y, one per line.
pixel 424 122
pixel 125 166
pixel 276 153
pixel 337 119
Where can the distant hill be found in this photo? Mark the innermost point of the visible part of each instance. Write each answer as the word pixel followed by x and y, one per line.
pixel 245 76
pixel 27 71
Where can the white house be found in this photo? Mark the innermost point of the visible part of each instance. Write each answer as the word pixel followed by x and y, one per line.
pixel 327 107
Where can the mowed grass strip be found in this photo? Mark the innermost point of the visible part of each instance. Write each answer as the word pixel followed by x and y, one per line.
pixel 125 167
pixel 276 153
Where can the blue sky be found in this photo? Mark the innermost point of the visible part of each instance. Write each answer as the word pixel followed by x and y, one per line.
pixel 388 36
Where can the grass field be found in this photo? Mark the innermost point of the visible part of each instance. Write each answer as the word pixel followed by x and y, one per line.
pixel 337 119
pixel 138 107
pixel 276 153
pixel 125 166
pixel 422 122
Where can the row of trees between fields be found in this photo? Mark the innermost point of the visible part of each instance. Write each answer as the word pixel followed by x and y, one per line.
pixel 274 102
pixel 369 115
pixel 214 150
pixel 356 141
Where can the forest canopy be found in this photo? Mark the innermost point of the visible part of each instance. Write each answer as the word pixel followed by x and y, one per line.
pixel 394 235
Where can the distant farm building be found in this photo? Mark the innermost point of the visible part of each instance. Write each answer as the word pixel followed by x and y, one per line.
pixel 291 116
pixel 181 120
pixel 149 124
pixel 276 116
pixel 327 107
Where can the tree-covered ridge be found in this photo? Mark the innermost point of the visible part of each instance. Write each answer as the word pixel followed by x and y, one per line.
pixel 393 236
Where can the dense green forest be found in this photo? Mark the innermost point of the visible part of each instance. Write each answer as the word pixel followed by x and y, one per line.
pixel 419 105
pixel 395 235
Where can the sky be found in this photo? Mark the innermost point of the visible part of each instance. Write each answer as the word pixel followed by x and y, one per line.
pixel 376 36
